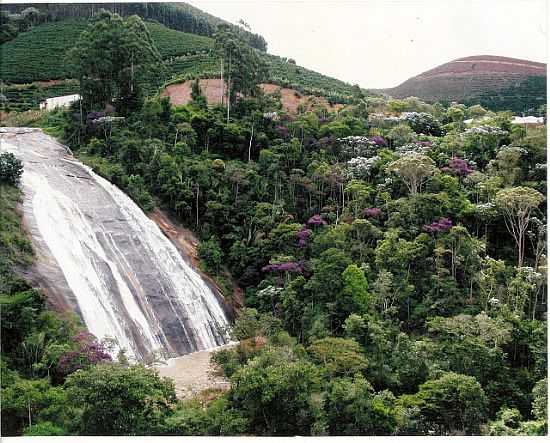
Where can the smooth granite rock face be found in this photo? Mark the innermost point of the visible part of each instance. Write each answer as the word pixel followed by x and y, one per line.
pixel 99 255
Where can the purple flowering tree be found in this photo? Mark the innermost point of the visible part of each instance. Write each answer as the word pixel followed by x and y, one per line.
pixel 441 225
pixel 372 213
pixel 378 140
pixel 458 166
pixel 316 220
pixel 303 237
pixel 286 267
pixel 90 352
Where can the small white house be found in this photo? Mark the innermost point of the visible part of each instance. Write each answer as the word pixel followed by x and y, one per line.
pixel 529 120
pixel 63 101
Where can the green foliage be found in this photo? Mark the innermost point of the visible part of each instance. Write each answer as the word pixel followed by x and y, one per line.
pixel 192 419
pixel 354 290
pixel 211 254
pixel 115 400
pixel 137 189
pixel 450 403
pixel 109 57
pixel 172 43
pixel 11 169
pixel 285 389
pixel 540 400
pixel 338 356
pixel 414 170
pixel 353 408
pixel 45 428
pixel 26 401
pixel 15 247
pixel 177 16
pixel 35 54
pixel 517 204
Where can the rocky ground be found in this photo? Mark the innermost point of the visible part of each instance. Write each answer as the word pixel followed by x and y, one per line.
pixel 193 373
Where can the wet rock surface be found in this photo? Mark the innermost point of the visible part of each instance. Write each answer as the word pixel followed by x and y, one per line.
pixel 99 255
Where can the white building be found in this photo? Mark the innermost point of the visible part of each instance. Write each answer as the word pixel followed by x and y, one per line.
pixel 529 120
pixel 63 101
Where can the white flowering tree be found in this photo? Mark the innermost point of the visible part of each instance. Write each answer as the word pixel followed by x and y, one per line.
pixel 361 167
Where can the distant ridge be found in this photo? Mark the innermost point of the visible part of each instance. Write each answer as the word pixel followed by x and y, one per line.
pixel 493 81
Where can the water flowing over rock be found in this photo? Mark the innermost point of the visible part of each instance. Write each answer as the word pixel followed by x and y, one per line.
pixel 101 256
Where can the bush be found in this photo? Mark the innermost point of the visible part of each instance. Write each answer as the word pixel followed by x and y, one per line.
pixel 137 190
pixel 11 169
pixel 46 428
pixel 211 254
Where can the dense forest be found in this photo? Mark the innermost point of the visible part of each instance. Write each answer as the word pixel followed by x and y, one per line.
pixel 392 259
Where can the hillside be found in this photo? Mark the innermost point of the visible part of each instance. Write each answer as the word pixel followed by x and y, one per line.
pixel 495 82
pixel 39 55
pixel 380 270
pixel 291 99
pixel 178 16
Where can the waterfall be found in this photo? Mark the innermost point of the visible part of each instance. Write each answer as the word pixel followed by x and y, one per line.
pixel 107 259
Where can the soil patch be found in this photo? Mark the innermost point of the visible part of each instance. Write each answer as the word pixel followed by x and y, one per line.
pixel 291 99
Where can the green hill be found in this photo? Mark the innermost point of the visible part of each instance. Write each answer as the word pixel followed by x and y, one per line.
pixel 39 55
pixel 178 16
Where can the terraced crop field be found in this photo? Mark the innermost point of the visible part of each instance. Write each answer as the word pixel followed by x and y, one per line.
pixel 25 97
pixel 304 80
pixel 41 55
pixel 171 43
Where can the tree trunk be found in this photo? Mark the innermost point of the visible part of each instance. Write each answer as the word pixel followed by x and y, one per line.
pixel 29 411
pixel 250 143
pixel 229 88
pixel 197 206
pixel 221 83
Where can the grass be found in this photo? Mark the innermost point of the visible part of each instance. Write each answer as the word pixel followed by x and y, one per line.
pixel 15 247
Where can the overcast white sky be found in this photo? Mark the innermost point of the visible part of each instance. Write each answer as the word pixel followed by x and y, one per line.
pixel 381 43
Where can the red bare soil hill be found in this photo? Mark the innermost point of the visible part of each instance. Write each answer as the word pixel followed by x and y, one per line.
pixel 291 99
pixel 466 78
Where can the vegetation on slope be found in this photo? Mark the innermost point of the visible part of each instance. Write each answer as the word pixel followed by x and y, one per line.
pixel 178 16
pixel 41 54
pixel 393 267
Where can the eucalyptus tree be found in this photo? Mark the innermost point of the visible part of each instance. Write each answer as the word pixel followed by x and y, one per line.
pixel 517 205
pixel 242 65
pixel 109 58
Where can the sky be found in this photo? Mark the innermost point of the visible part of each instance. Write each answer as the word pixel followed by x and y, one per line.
pixel 381 43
